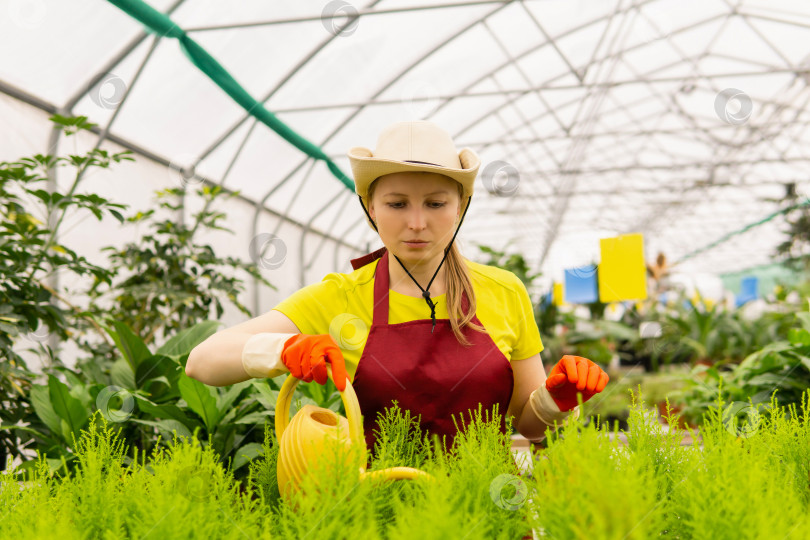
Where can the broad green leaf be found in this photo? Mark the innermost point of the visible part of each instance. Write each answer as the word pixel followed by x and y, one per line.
pixel 804 319
pixel 762 397
pixel 229 416
pixel 255 417
pixel 799 336
pixel 200 399
pixel 157 366
pixel 166 427
pixel 12 427
pixel 775 347
pixel 316 392
pixel 617 330
pixel 60 464
pixel 167 411
pixel 42 406
pixel 185 340
pixel 804 360
pixel 122 375
pixel 69 409
pixel 223 441
pixel 78 388
pixel 695 345
pixel 771 362
pixel 246 454
pixel 130 345
pixel 266 397
pixel 225 400
pixel 160 389
pixel 335 403
pixel 775 382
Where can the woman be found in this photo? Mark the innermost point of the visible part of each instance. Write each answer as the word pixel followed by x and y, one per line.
pixel 468 337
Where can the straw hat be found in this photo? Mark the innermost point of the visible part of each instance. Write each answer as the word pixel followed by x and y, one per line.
pixel 413 146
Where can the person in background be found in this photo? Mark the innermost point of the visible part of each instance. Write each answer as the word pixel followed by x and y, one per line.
pixel 659 273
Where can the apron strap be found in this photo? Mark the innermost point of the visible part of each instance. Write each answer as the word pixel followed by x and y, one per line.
pixel 367 258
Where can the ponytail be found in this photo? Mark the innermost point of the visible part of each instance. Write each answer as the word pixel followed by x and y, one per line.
pixel 458 282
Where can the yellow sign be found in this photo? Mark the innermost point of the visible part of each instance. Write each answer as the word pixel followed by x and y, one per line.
pixel 557 294
pixel 622 273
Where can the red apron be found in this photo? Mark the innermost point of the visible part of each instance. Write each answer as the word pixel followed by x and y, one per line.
pixel 428 374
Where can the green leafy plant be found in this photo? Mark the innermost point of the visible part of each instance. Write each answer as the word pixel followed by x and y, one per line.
pixel 157 288
pixel 737 484
pixel 29 233
pixel 515 263
pixel 30 253
pixel 793 250
pixel 151 396
pixel 697 331
pixel 167 281
pixel 655 486
pixel 781 368
pixel 615 402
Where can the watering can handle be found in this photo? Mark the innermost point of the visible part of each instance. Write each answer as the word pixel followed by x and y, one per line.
pixel 349 397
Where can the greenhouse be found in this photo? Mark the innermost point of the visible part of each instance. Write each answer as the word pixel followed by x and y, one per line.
pixel 435 269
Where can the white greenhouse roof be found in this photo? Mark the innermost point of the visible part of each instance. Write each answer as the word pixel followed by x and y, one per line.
pixel 683 120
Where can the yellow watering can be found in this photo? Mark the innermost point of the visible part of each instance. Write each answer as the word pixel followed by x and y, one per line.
pixel 305 439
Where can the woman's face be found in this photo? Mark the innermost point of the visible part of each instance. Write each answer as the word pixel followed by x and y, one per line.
pixel 409 206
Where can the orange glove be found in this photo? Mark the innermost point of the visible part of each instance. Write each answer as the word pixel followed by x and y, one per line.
pixel 571 375
pixel 306 356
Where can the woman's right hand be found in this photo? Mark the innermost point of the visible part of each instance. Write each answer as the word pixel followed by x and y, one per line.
pixel 306 355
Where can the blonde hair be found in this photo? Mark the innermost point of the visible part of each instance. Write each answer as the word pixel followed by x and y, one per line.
pixel 458 281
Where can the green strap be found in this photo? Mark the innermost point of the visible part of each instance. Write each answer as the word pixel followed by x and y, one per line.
pixel 158 23
pixel 744 229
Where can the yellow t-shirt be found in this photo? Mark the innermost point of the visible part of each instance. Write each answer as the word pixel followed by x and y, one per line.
pixel 341 305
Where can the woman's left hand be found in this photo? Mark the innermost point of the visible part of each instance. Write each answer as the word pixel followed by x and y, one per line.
pixel 572 375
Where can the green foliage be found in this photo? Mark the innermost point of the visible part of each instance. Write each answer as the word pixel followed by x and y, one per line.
pixel 515 263
pixel 703 331
pixel 182 491
pixel 460 500
pixel 747 484
pixel 692 331
pixel 29 246
pixel 585 484
pixel 151 396
pixel 261 477
pixel 400 441
pixel 30 253
pixel 154 291
pixel 614 403
pixel 590 486
pixel 168 280
pixel 780 369
pixel 793 251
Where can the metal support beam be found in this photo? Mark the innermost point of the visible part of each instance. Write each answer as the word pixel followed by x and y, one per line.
pixel 358 13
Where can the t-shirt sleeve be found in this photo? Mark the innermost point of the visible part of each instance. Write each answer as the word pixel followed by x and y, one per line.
pixel 314 307
pixel 528 337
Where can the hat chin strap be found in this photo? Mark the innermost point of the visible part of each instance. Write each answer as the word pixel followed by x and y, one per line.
pixel 426 291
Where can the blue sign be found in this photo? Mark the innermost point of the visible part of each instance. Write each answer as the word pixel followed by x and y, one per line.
pixel 749 290
pixel 581 285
